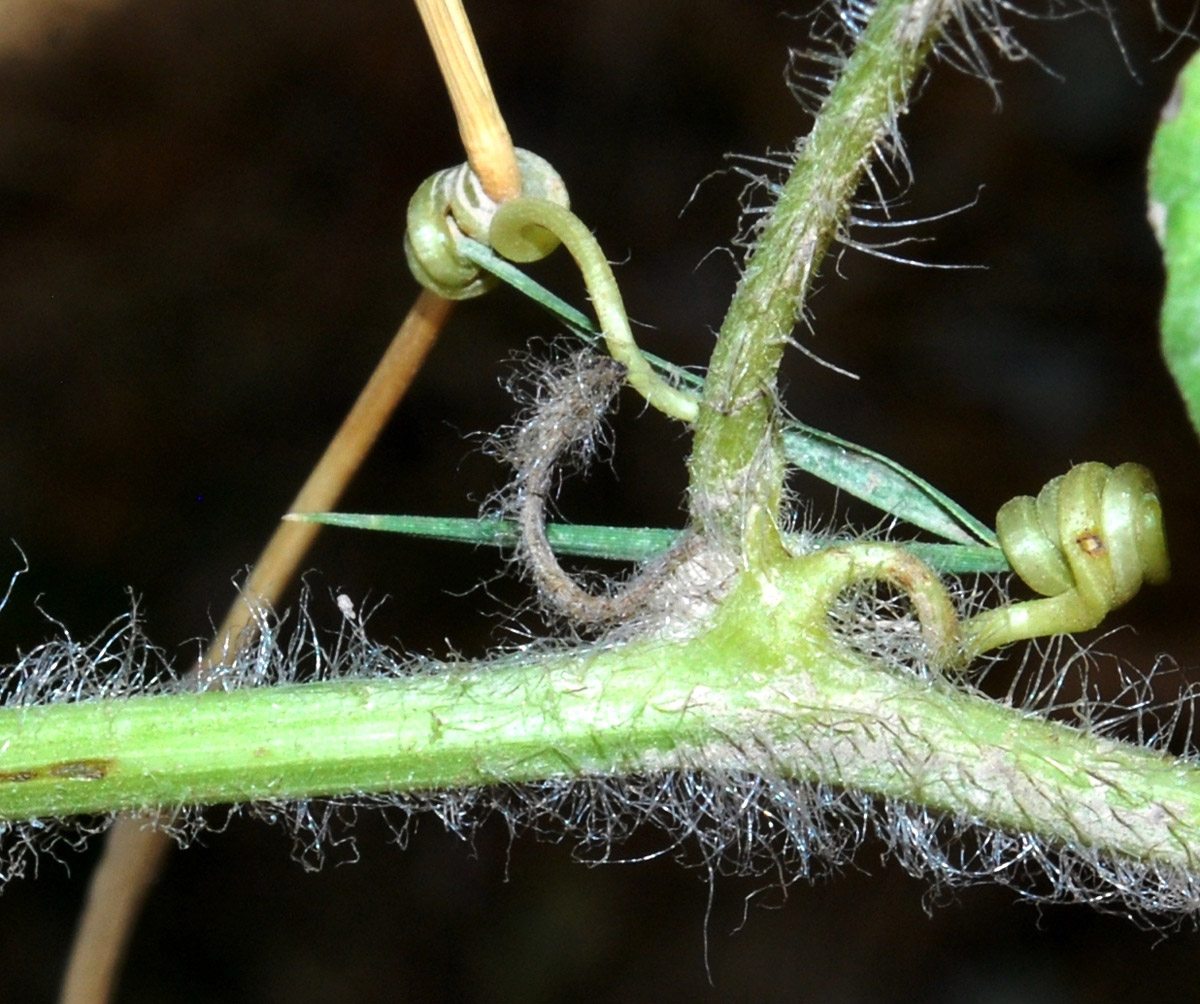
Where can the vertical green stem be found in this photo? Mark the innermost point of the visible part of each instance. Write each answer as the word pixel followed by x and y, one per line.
pixel 737 464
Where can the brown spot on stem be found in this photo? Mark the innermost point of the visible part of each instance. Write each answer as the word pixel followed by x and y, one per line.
pixel 1091 544
pixel 81 770
pixel 72 770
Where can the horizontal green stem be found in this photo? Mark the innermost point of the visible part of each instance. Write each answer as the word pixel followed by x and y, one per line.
pixel 767 689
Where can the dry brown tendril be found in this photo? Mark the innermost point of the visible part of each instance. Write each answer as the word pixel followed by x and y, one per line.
pixel 566 418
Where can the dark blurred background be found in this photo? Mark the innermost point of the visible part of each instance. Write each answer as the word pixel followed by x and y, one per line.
pixel 201 209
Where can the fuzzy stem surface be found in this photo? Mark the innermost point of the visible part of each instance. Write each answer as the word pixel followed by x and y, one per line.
pixel 766 689
pixel 737 465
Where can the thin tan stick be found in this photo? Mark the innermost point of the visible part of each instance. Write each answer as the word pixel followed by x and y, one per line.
pixel 484 135
pixel 135 850
pixel 133 856
pixel 341 459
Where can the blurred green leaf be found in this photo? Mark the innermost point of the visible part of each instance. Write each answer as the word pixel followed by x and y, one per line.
pixel 1175 215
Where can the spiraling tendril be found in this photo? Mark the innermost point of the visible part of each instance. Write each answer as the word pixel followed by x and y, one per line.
pixel 831 571
pixel 451 204
pixel 1086 543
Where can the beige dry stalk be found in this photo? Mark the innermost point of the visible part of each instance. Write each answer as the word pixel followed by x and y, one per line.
pixel 135 849
pixel 484 135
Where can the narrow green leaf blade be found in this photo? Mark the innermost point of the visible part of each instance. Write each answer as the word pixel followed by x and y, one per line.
pixel 615 542
pixel 618 543
pixel 1175 214
pixel 960 559
pixel 883 483
pixel 506 271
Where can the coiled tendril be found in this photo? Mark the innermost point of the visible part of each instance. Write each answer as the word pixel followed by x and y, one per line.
pixel 452 203
pixel 1086 543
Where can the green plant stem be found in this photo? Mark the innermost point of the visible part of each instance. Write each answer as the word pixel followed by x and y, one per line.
pixel 767 689
pixel 737 467
pixel 761 683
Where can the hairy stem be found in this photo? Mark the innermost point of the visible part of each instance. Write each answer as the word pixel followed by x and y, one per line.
pixel 762 686
pixel 737 465
pixel 134 853
pixel 768 689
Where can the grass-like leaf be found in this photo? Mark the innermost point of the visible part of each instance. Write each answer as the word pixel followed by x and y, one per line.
pixel 883 483
pixel 617 543
pixel 863 473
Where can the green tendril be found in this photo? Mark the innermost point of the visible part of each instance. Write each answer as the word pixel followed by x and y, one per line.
pixel 452 204
pixel 831 571
pixel 1086 543
pixel 521 226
